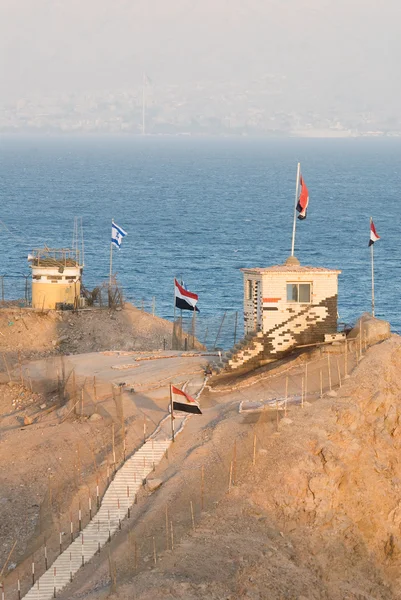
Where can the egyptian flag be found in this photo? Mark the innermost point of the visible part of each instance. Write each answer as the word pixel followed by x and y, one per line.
pixel 184 402
pixel 303 200
pixel 373 234
pixel 184 300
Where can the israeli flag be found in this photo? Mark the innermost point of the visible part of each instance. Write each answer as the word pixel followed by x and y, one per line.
pixel 117 234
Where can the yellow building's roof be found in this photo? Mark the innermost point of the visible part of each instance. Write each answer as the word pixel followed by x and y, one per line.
pixel 49 261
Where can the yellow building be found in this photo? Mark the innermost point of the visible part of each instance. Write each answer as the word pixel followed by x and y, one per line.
pixel 56 278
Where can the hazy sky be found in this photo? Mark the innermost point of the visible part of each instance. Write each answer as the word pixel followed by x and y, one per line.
pixel 350 48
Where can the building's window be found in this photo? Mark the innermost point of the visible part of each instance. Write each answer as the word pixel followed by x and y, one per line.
pixel 299 292
pixel 54 277
pixel 70 277
pixel 37 277
pixel 249 289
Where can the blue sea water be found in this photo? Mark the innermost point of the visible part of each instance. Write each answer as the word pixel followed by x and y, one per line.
pixel 201 209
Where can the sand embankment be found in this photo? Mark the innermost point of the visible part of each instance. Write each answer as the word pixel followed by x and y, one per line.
pixel 34 333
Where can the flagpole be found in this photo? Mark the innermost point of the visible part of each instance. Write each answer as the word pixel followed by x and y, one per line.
pixel 373 274
pixel 295 210
pixel 174 299
pixel 143 105
pixel 172 412
pixel 111 257
pixel 193 328
pixel 181 330
pixel 174 336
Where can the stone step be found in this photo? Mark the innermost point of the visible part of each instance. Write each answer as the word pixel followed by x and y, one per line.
pixel 106 521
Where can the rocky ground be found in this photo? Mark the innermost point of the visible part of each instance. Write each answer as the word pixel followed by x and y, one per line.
pixel 316 517
pixel 267 506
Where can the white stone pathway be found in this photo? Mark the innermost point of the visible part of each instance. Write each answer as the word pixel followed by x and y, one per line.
pixel 118 499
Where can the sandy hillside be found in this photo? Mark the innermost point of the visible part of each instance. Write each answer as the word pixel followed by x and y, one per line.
pixel 317 517
pixel 33 333
pixel 56 445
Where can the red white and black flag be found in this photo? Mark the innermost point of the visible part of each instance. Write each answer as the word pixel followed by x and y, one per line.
pixel 303 199
pixel 184 402
pixel 373 234
pixel 184 300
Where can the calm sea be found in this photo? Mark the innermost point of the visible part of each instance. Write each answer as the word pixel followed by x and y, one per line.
pixel 201 209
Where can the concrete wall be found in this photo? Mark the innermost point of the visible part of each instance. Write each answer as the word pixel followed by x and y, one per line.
pixel 276 309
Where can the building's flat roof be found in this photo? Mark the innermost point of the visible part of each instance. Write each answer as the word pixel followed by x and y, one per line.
pixel 49 261
pixel 54 257
pixel 288 269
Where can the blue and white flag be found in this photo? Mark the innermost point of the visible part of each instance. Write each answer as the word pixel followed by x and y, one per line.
pixel 117 234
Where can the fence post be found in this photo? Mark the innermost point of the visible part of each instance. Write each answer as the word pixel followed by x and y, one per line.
pixel 329 370
pixel 286 396
pixel 302 391
pixel 192 515
pixel 8 370
pixel 339 373
pixel 306 382
pixel 202 486
pixel 219 331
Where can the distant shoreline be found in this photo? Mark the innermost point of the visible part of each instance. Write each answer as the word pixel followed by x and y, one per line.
pixel 304 134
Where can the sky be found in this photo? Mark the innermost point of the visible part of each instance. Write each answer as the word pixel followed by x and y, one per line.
pixel 345 51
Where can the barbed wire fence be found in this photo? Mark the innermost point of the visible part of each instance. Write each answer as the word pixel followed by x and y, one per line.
pixel 213 332
pixel 218 331
pixel 15 290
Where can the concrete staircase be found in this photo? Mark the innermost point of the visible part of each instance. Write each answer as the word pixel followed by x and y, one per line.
pixel 282 338
pixel 257 348
pixel 117 501
pixel 249 348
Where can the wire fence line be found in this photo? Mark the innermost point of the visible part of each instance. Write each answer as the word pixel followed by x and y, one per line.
pixel 68 397
pixel 73 397
pixel 212 331
pixel 15 290
pixel 149 543
pixel 200 490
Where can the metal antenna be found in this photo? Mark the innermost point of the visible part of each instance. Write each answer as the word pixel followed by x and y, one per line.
pixel 82 245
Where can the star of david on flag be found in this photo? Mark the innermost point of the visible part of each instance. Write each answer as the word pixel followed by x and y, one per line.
pixel 117 234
